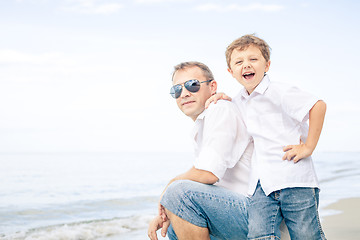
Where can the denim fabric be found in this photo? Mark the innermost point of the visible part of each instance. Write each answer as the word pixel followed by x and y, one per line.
pixel 297 206
pixel 172 236
pixel 222 211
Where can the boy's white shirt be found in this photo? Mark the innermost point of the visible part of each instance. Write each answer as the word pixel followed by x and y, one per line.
pixel 222 146
pixel 276 115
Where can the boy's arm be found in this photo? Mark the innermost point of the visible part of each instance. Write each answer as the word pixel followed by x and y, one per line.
pixel 303 150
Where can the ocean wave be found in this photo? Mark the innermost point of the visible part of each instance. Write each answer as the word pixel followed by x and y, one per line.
pixel 86 230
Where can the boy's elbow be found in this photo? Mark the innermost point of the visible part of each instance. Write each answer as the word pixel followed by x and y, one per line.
pixel 320 106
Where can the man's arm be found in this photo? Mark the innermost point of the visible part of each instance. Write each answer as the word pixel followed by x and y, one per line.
pixel 316 121
pixel 198 175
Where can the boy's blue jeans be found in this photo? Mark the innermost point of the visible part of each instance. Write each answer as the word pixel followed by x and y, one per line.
pixel 297 206
pixel 220 210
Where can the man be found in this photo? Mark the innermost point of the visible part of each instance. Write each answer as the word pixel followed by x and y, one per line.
pixel 208 201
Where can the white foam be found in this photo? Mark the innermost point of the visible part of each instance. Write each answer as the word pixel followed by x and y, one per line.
pixel 84 230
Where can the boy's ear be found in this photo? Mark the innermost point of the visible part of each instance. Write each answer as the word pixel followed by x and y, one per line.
pixel 267 66
pixel 230 71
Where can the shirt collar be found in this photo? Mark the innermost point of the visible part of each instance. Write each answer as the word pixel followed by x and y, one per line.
pixel 201 115
pixel 198 123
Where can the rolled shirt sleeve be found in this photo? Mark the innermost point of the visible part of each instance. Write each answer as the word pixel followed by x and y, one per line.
pixel 224 139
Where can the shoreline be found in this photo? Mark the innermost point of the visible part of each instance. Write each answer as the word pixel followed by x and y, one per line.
pixel 345 224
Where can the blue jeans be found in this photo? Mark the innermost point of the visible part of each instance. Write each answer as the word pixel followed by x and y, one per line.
pixel 220 210
pixel 297 206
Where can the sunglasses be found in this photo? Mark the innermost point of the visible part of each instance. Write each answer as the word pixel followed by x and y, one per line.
pixel 192 85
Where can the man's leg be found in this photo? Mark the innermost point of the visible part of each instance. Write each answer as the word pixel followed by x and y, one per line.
pixel 217 209
pixel 264 215
pixel 300 210
pixel 187 231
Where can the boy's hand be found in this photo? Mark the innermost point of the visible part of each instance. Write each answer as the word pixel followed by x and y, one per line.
pixel 297 152
pixel 217 96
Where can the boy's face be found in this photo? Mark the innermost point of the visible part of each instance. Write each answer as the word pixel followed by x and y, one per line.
pixel 248 67
pixel 192 104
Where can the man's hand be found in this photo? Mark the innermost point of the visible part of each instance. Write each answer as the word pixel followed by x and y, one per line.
pixel 214 98
pixel 162 212
pixel 155 225
pixel 297 152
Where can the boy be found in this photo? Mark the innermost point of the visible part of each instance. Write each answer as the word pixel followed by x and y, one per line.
pixel 276 116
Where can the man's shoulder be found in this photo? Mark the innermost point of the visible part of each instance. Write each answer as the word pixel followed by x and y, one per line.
pixel 222 105
pixel 221 108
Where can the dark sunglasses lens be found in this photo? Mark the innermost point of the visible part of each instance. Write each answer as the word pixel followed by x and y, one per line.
pixel 192 85
pixel 175 91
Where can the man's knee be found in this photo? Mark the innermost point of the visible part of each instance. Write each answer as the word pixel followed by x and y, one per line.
pixel 177 190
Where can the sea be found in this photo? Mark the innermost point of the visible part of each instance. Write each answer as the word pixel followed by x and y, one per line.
pixel 108 196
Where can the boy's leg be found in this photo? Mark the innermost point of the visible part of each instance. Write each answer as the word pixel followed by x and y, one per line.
pixel 264 215
pixel 299 207
pixel 222 212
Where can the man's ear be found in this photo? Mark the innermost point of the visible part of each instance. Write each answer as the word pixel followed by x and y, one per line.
pixel 213 87
pixel 230 71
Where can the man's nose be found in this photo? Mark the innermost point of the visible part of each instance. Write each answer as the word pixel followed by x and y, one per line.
pixel 185 93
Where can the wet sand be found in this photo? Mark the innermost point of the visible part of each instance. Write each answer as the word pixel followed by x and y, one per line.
pixel 346 224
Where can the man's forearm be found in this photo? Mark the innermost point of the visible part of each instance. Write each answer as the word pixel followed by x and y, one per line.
pixel 196 175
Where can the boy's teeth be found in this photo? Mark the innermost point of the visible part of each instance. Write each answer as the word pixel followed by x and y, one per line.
pixel 248 75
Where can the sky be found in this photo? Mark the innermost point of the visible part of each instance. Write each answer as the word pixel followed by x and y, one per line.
pixel 94 75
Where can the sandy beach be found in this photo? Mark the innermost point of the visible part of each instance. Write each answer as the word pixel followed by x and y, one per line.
pixel 345 225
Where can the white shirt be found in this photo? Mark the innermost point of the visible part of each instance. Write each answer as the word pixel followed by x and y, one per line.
pixel 222 145
pixel 276 115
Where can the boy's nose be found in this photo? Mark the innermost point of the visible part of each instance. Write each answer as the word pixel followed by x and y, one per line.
pixel 246 65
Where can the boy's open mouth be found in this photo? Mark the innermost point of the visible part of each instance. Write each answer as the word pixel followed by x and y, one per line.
pixel 248 76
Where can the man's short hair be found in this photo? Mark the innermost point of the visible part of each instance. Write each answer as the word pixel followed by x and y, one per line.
pixel 205 69
pixel 244 42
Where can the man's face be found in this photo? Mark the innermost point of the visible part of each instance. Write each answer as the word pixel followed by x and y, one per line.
pixel 193 104
pixel 248 67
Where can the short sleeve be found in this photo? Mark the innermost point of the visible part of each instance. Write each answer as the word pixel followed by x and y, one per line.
pixel 297 103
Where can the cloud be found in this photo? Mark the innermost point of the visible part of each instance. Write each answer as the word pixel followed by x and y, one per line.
pixel 159 1
pixel 240 8
pixel 92 7
pixel 9 56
